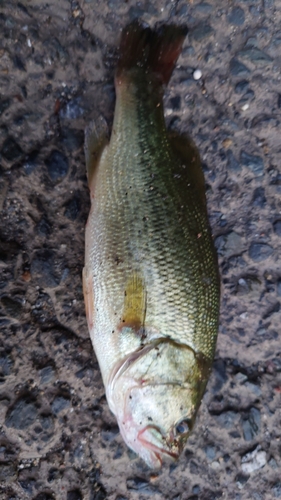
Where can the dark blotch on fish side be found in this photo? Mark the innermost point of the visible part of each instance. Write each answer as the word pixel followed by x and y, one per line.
pixel 260 251
pixel 57 165
pixel 236 17
pixel 255 163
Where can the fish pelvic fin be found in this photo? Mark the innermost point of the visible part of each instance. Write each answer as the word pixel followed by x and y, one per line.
pixel 134 308
pixel 154 50
pixel 96 139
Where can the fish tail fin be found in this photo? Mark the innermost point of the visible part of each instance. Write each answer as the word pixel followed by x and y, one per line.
pixel 154 50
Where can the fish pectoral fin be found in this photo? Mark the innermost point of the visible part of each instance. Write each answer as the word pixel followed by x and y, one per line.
pixel 96 139
pixel 185 149
pixel 134 303
pixel 88 297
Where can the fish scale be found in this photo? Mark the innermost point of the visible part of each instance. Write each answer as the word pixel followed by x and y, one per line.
pixel 150 279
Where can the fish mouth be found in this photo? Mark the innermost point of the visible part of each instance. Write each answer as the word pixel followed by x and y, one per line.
pixel 158 447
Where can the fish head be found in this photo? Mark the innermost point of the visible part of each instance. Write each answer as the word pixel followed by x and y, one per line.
pixel 155 394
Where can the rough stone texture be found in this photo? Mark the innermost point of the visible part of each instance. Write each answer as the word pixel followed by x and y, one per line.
pixel 58 438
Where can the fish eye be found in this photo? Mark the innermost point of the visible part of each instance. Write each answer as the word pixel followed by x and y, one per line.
pixel 183 426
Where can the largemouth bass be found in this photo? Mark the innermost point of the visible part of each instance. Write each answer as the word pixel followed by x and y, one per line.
pixel 150 279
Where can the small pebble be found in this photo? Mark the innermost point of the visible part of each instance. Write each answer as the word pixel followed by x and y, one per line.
pixel 197 74
pixel 236 17
pixel 237 68
pixel 260 251
pixel 215 465
pixel 57 165
pixel 251 425
pixel 255 55
pixel 253 461
pixel 227 143
pixel 253 162
pixel 201 31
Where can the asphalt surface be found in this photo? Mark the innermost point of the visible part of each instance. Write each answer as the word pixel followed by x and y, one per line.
pixel 58 438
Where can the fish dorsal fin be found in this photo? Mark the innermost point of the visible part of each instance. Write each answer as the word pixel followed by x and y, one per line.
pixel 96 139
pixel 134 303
pixel 185 149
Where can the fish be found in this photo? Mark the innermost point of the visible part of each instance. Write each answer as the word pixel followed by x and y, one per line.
pixel 151 282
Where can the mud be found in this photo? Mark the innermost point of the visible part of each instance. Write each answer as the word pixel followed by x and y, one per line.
pixel 58 438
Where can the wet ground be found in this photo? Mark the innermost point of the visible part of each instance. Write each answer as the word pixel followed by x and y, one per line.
pixel 58 438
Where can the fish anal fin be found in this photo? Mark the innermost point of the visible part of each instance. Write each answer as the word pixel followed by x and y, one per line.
pixel 96 139
pixel 134 308
pixel 185 149
pixel 88 297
